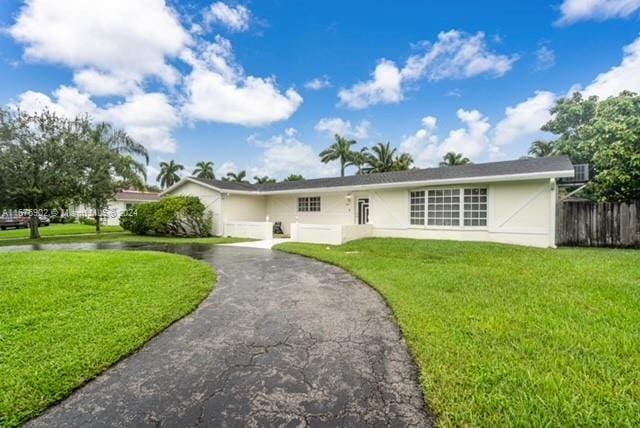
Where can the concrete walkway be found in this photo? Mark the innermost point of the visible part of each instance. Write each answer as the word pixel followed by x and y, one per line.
pixel 282 341
pixel 265 244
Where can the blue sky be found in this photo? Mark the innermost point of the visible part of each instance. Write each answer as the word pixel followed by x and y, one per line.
pixel 262 86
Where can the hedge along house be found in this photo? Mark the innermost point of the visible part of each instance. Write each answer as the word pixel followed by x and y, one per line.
pixel 509 202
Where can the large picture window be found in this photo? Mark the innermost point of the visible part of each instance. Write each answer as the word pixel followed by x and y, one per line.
pixel 443 207
pixel 416 207
pixel 448 207
pixel 475 207
pixel 309 204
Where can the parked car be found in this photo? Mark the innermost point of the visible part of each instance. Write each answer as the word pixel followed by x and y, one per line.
pixel 43 220
pixel 14 221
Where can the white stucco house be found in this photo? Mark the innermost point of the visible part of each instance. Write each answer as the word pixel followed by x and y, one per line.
pixel 509 202
pixel 121 204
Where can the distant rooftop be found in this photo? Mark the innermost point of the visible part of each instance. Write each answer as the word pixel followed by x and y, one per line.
pixel 136 196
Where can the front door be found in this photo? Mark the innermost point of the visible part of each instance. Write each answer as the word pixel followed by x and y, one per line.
pixel 363 211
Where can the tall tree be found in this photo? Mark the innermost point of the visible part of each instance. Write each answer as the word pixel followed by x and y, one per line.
pixel 541 149
pixel 382 158
pixel 236 177
pixel 340 150
pixel 402 162
pixel 204 170
pixel 169 173
pixel 454 159
pixel 37 161
pixel 606 135
pixel 294 177
pixel 264 179
pixel 359 159
pixel 109 161
pixel 569 116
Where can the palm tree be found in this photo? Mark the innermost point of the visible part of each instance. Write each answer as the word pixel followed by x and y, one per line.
pixel 294 177
pixel 204 170
pixel 108 161
pixel 169 173
pixel 454 159
pixel 403 162
pixel 264 179
pixel 341 150
pixel 359 159
pixel 118 141
pixel 382 158
pixel 541 149
pixel 238 178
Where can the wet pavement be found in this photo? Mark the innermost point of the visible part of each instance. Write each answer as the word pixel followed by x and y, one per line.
pixel 282 341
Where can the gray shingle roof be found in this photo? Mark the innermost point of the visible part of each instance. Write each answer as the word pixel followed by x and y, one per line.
pixel 551 165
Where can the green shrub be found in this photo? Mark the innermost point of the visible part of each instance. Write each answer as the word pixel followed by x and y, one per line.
pixel 87 220
pixel 173 216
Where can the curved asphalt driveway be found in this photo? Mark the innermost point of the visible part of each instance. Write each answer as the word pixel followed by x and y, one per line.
pixel 282 341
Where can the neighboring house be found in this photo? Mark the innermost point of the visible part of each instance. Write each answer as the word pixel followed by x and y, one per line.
pixel 510 202
pixel 121 204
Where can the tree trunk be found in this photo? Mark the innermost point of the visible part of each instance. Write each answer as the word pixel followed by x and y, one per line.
pixel 97 218
pixel 33 225
pixel 342 168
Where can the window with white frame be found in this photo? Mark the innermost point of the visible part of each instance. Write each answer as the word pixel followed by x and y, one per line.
pixel 309 204
pixel 475 207
pixel 443 207
pixel 448 207
pixel 416 207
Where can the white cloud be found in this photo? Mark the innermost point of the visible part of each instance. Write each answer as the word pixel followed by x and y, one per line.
pixel 429 122
pixel 455 55
pixel 525 119
pixel 118 37
pixel 625 76
pixel 235 18
pixel 152 173
pixel 219 91
pixel 599 10
pixel 336 125
pixel 318 83
pixel 471 140
pixel 69 102
pixel 147 118
pixel 284 155
pixel 104 84
pixel 545 58
pixel 385 87
pixel 225 168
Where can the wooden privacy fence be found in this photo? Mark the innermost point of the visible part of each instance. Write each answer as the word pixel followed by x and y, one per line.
pixel 594 224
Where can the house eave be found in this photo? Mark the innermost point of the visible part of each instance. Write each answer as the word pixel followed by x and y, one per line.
pixel 422 183
pixel 403 184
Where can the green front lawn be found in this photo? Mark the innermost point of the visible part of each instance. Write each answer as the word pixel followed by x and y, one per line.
pixel 120 237
pixel 67 316
pixel 58 230
pixel 508 335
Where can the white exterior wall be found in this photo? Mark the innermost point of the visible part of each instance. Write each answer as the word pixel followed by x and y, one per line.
pixel 117 208
pixel 518 213
pixel 209 197
pixel 249 229
pixel 333 234
pixel 335 208
pixel 244 207
pixel 114 210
